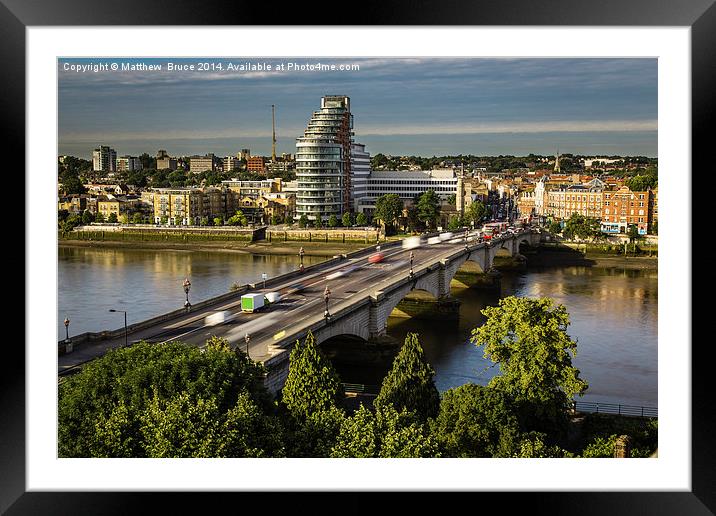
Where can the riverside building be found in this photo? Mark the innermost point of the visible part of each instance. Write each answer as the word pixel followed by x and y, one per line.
pixel 323 160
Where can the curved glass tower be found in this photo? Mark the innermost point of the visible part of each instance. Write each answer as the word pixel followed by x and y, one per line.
pixel 323 160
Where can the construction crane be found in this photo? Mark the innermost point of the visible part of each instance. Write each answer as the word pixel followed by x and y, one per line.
pixel 273 140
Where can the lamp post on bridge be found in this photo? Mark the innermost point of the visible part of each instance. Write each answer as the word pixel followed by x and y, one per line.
pixel 247 338
pixel 412 256
pixel 67 329
pixel 326 297
pixel 187 286
pixel 301 252
pixel 125 323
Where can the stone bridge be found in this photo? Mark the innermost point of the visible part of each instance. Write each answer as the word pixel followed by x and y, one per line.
pixel 366 316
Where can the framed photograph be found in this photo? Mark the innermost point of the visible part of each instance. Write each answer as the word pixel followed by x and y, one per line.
pixel 418 96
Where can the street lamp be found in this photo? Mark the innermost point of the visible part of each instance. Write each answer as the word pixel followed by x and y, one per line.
pixel 326 297
pixel 247 338
pixel 301 252
pixel 67 329
pixel 412 256
pixel 125 323
pixel 187 286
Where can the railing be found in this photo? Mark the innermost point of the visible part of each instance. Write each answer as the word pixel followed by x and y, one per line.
pixel 612 408
pixel 359 388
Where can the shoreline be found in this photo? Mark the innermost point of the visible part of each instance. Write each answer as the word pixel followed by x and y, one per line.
pixel 284 249
pixel 544 258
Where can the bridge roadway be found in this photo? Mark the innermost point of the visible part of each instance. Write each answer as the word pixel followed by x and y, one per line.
pixel 301 302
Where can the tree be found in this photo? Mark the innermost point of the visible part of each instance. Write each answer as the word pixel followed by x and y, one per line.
pixel 655 228
pixel 303 221
pixel 476 421
pixel 413 221
pixel 310 398
pixel 312 384
pixel 112 217
pixel 347 220
pixel 87 217
pixel 124 219
pixel 388 208
pixel 137 218
pixel 361 219
pixel 581 227
pixel 99 217
pixel 186 426
pixel 275 220
pixel 429 208
pixel 452 199
pixel 456 222
pixel 218 221
pixel 528 338
pixel 386 433
pixel 288 219
pixel 633 233
pixel 333 221
pixel 555 227
pixel 318 222
pixel 238 219
pixel 476 212
pixel 533 446
pixel 410 382
pixel 102 409
pixel 641 183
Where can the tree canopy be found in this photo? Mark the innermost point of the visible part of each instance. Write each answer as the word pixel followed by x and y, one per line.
pixel 528 339
pixel 388 208
pixel 410 382
pixel 429 208
pixel 131 402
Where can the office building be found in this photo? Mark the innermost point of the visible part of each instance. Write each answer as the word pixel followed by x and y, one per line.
pixel 323 160
pixel 104 159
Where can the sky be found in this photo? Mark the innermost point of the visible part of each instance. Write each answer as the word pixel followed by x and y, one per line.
pixel 401 106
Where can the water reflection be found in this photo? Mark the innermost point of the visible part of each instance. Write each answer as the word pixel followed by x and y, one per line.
pixel 613 318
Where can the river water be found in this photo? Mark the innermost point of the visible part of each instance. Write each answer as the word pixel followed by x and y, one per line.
pixel 613 312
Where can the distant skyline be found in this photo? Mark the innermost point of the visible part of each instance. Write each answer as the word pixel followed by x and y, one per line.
pixel 401 106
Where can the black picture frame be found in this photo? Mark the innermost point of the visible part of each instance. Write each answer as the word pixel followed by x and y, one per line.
pixel 17 15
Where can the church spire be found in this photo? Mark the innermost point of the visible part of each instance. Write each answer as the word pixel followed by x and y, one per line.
pixel 556 161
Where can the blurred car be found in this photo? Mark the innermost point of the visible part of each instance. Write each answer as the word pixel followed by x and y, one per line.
pixel 411 242
pixel 433 240
pixel 215 318
pixel 445 236
pixel 376 258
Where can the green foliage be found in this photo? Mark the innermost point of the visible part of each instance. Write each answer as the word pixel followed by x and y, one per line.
pixel 532 446
pixel 314 435
pixel 429 208
pixel 288 219
pixel 185 426
pixel 456 222
pixel 137 218
pixel 101 409
pixel 600 447
pixel 312 384
pixel 87 217
pixel 529 340
pixel 333 221
pixel 655 228
pixel 388 208
pixel 218 221
pixel 112 217
pixel 361 219
pixel 347 220
pixel 476 421
pixel 633 232
pixel 303 221
pixel 386 433
pixel 555 227
pixel 476 212
pixel 582 227
pixel 410 382
pixel 598 430
pixel 238 219
pixel 641 183
pixel 318 222
pixel 412 220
